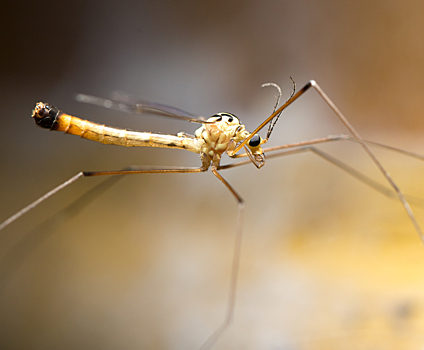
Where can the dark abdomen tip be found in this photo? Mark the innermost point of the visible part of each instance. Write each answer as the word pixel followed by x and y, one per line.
pixel 45 115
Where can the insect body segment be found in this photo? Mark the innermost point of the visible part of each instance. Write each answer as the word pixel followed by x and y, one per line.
pixel 45 115
pixel 52 118
pixel 219 135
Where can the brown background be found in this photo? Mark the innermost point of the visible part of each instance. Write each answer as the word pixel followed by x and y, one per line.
pixel 327 263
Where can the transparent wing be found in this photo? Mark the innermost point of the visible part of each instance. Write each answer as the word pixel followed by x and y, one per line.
pixel 125 103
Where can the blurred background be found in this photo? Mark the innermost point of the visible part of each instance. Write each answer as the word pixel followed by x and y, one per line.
pixel 143 262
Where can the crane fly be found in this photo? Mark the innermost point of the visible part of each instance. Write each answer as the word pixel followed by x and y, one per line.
pixel 221 134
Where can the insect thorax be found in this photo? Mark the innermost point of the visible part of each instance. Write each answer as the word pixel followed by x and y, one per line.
pixel 221 136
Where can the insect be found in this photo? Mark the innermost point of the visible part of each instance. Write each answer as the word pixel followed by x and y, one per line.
pixel 220 134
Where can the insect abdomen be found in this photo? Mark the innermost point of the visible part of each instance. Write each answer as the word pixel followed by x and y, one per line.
pixel 52 118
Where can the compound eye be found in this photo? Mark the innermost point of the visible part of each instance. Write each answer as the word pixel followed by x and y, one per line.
pixel 255 141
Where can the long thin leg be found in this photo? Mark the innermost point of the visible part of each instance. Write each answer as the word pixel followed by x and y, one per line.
pixel 373 157
pixel 333 138
pixel 11 261
pixel 343 137
pixel 300 147
pixel 386 191
pixel 358 138
pixel 82 174
pixel 39 200
pixel 139 170
pixel 234 269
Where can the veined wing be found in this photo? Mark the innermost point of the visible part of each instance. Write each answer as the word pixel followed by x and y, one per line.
pixel 124 103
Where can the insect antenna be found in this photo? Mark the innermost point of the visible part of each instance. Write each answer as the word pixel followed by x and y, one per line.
pixel 273 122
